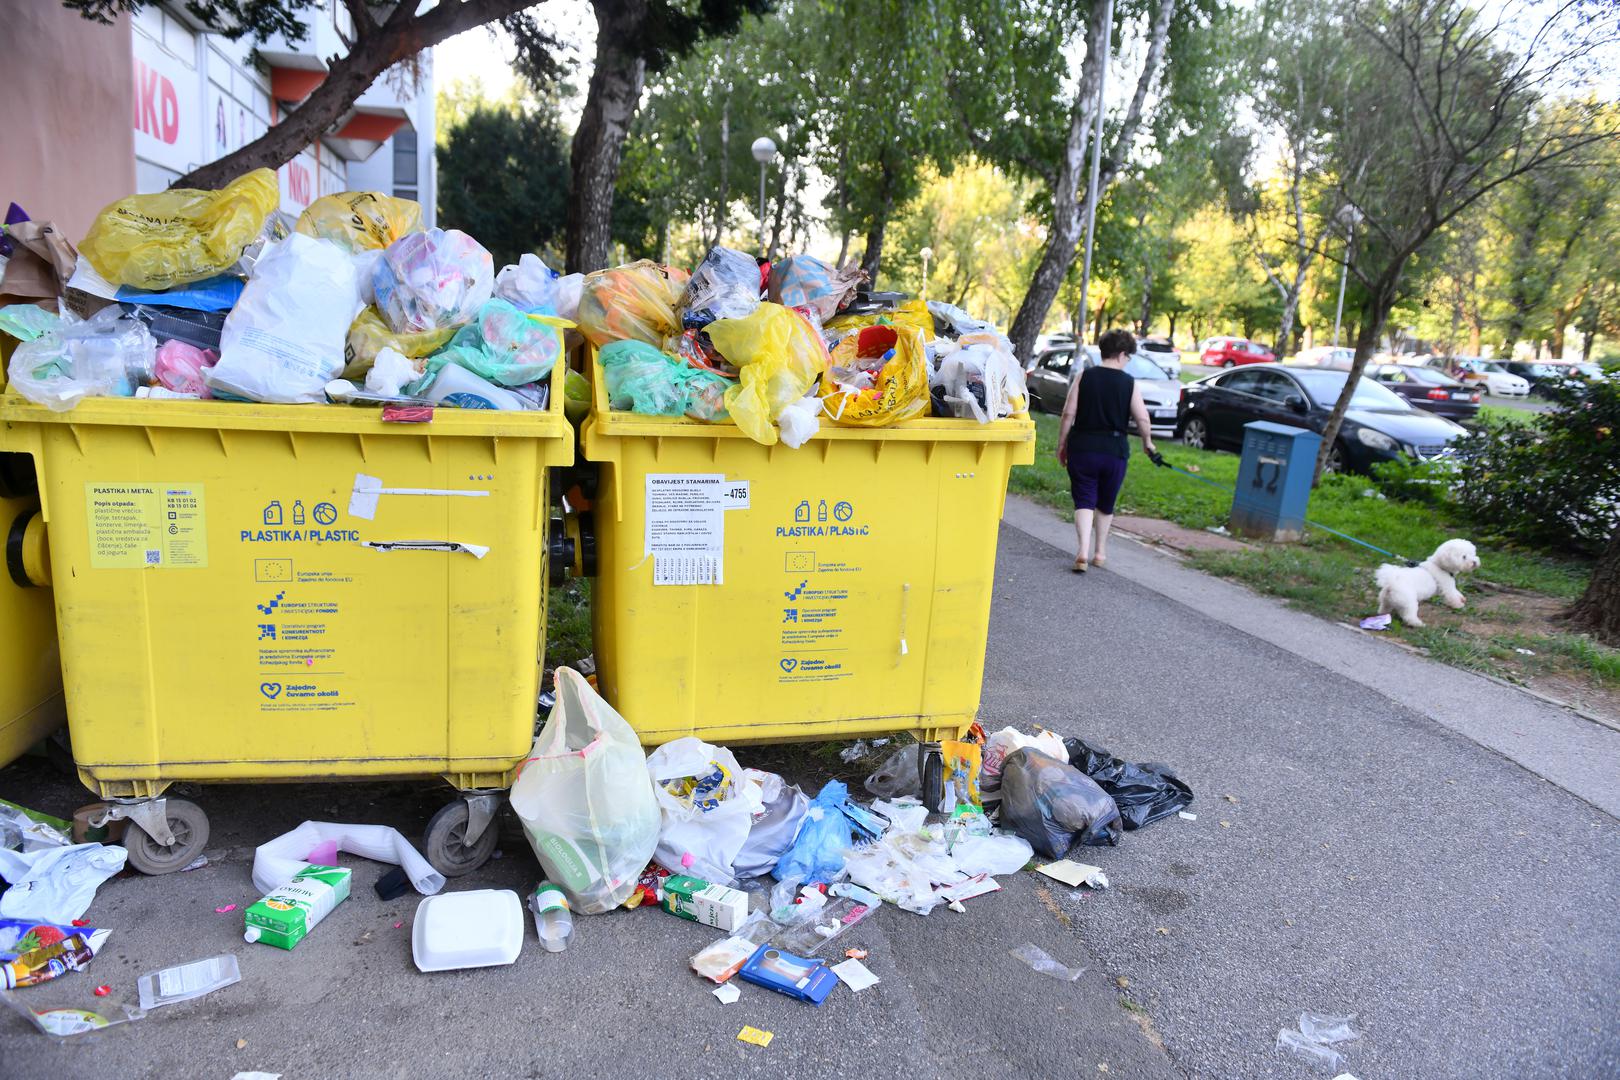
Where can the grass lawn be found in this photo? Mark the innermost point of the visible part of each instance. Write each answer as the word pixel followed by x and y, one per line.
pixel 568 623
pixel 1333 578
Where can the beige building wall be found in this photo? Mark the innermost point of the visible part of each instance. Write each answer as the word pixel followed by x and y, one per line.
pixel 68 144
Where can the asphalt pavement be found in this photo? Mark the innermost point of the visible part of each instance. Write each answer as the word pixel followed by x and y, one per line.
pixel 1350 855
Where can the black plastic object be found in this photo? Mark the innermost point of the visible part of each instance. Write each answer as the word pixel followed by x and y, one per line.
pixel 1052 804
pixel 1144 793
pixel 392 885
pixel 199 329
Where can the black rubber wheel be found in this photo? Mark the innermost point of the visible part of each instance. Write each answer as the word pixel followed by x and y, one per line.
pixel 933 779
pixel 443 846
pixel 1195 433
pixel 1335 460
pixel 190 827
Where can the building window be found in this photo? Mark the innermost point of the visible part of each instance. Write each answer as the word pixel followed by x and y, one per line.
pixel 405 183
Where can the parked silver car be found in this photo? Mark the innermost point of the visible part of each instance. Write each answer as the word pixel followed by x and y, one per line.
pixel 1049 384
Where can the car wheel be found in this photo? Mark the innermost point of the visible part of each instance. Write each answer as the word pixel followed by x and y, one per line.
pixel 1336 461
pixel 1195 433
pixel 1228 363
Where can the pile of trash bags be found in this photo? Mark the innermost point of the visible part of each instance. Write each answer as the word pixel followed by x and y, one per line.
pixel 778 348
pixel 220 295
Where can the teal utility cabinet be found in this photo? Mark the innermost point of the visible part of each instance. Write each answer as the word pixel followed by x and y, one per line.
pixel 1274 481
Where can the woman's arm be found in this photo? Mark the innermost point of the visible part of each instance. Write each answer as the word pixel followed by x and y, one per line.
pixel 1070 404
pixel 1144 426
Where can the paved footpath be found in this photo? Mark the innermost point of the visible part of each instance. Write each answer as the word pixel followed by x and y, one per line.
pixel 1451 878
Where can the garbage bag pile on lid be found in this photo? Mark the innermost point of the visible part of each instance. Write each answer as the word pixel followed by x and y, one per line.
pixel 218 294
pixel 779 350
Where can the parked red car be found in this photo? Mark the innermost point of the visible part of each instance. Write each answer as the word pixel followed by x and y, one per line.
pixel 1231 351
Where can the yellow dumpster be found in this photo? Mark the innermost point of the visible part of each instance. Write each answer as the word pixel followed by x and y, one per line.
pixel 279 592
pixel 747 593
pixel 30 674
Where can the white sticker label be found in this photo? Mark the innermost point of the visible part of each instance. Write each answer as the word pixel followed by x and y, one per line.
pixel 686 528
pixel 734 495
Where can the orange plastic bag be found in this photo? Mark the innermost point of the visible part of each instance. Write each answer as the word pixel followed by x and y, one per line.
pixel 631 303
pixel 778 353
pixel 878 376
pixel 181 235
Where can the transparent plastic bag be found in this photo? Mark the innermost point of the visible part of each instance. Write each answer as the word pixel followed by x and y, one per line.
pixel 25 322
pixel 432 279
pixel 106 355
pixel 586 801
pixel 505 345
pixel 360 220
pixel 895 387
pixel 806 281
pixel 725 285
pixel 641 379
pixel 180 235
pixel 706 396
pixel 779 354
pixel 530 285
pixel 981 379
pixel 1038 960
pixel 369 335
pixel 630 303
pixel 284 341
pixel 818 851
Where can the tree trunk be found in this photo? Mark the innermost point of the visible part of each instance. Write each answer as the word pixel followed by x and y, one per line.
pixel 377 47
pixel 872 259
pixel 1598 610
pixel 1146 315
pixel 1560 326
pixel 1373 313
pixel 1172 317
pixel 610 106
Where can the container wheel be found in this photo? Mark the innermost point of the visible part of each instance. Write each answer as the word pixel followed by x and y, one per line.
pixel 190 827
pixel 933 779
pixel 443 846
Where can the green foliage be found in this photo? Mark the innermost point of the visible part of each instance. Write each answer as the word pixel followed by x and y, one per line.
pixel 503 177
pixel 1554 481
pixel 256 19
pixel 1415 481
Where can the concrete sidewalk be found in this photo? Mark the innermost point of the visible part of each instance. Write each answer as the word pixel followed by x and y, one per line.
pixel 1578 755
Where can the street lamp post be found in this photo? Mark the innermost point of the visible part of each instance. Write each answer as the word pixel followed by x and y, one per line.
pixel 927 253
pixel 1348 216
pixel 764 153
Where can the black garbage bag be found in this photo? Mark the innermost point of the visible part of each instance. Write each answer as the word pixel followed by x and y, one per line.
pixel 1144 793
pixel 1052 804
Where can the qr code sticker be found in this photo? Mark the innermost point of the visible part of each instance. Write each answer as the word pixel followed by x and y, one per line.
pixel 153 557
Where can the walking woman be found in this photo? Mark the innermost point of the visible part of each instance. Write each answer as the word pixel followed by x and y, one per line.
pixel 1092 442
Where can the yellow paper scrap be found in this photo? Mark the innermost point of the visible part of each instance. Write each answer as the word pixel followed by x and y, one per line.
pixel 755 1036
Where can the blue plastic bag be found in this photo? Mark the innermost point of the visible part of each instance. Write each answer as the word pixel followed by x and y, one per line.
pixel 218 293
pixel 818 852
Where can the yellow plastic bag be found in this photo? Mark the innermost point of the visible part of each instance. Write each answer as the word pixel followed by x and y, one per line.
pixel 631 303
pixel 912 313
pixel 778 354
pixel 369 335
pixel 180 235
pixel 862 389
pixel 360 220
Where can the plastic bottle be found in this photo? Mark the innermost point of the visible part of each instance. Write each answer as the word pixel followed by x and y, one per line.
pixel 552 919
pixel 298 511
pixel 46 963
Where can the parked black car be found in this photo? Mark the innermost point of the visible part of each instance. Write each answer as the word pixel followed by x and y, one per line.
pixel 1379 425
pixel 1430 389
pixel 1539 372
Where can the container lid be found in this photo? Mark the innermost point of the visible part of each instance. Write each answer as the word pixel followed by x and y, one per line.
pixel 483 928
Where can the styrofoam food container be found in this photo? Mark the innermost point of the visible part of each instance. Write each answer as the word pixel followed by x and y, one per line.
pixel 482 928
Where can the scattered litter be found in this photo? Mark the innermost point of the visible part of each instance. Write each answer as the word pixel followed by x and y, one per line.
pixel 226 910
pixel 56 884
pixel 1226 824
pixel 856 954
pixel 802 977
pixel 1218 530
pixel 42 963
pixel 698 901
pixel 187 981
pixel 280 860
pixel 727 993
pixel 1525 652
pixel 195 864
pixel 398 925
pixel 1053 805
pixel 553 922
pixel 1316 1037
pixel 899 775
pixel 102 991
pixel 980 885
pixel 287 913
pixel 29 831
pixel 1376 622
pixel 755 1036
pixel 1230 798
pixel 1185 816
pixel 1144 793
pixel 855 975
pixel 241 1044
pixel 1074 874
pixel 854 752
pixel 65 1021
pixel 480 928
pixel 1039 961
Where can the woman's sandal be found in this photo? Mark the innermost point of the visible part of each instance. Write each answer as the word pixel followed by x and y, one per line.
pixel 1079 566
pixel 1099 561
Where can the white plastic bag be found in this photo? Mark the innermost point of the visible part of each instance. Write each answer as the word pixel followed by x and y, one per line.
pixel 278 861
pixel 981 377
pixel 774 828
pixel 390 372
pixel 106 355
pixel 56 884
pixel 586 800
pixel 707 804
pixel 800 421
pixel 283 342
pixel 997 854
pixel 532 286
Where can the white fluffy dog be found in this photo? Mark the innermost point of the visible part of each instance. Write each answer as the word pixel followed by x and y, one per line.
pixel 1402 588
